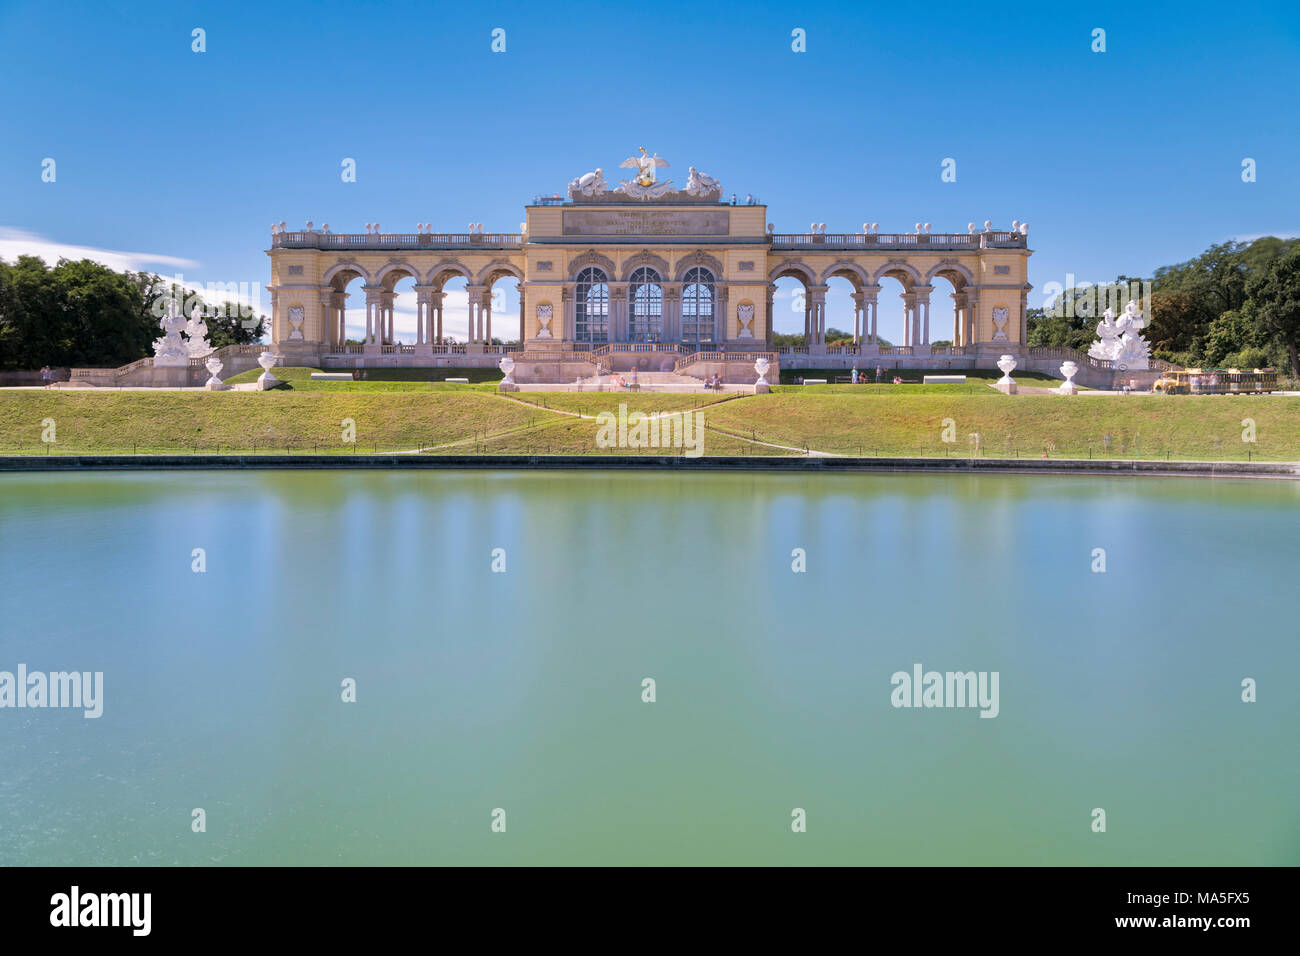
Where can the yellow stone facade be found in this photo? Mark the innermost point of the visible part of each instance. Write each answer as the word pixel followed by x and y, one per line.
pixel 732 243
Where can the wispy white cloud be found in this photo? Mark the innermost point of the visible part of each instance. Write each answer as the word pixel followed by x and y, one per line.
pixel 17 242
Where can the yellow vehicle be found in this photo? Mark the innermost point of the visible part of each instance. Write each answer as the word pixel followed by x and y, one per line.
pixel 1216 381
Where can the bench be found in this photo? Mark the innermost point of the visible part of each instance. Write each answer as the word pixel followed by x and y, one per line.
pixel 462 381
pixel 944 380
pixel 814 381
pixel 331 376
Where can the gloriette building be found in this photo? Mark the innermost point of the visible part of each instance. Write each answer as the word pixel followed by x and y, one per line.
pixel 647 272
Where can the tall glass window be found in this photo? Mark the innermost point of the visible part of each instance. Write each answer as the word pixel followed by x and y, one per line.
pixel 591 306
pixel 645 316
pixel 697 307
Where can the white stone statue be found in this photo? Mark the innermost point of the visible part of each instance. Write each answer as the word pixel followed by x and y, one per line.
pixel 1006 364
pixel 507 366
pixel 644 185
pixel 699 184
pixel 171 351
pixel 761 366
pixel 588 184
pixel 197 331
pixel 1120 341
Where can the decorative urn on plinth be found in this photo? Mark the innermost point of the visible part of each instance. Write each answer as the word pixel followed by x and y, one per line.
pixel 266 380
pixel 215 384
pixel 1006 383
pixel 762 386
pixel 1069 370
pixel 507 366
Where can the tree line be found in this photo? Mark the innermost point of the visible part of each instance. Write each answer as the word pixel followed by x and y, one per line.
pixel 1235 305
pixel 85 314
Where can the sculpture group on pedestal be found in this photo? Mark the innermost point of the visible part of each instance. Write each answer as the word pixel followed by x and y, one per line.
pixel 1119 340
pixel 173 351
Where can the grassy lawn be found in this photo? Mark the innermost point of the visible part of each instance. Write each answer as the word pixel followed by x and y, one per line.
pixel 104 422
pixel 593 403
pixel 977 381
pixel 378 380
pixel 900 424
pixel 887 422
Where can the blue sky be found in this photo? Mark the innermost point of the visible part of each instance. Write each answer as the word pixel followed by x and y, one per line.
pixel 1119 161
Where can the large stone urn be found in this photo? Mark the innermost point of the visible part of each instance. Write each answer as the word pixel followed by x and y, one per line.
pixel 1006 384
pixel 214 383
pixel 761 366
pixel 1069 370
pixel 507 366
pixel 266 380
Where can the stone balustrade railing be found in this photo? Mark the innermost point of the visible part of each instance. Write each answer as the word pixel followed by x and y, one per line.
pixel 407 240
pixel 940 242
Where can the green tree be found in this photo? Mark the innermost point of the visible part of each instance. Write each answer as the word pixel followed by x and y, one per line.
pixel 1275 295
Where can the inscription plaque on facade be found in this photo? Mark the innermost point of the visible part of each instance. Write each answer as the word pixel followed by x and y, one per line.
pixel 645 222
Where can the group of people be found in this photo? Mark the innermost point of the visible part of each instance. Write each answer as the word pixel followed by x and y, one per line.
pixel 860 378
pixel 714 382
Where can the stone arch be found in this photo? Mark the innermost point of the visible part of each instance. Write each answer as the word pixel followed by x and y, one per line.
pixel 448 269
pixel 497 268
pixel 954 272
pixel 648 260
pixel 847 269
pixel 795 268
pixel 904 272
pixel 351 269
pixel 591 258
pixel 701 260
pixel 393 271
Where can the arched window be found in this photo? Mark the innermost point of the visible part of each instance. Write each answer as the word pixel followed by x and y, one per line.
pixel 645 316
pixel 697 306
pixel 591 306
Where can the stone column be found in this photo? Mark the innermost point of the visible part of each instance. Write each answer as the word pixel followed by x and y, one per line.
pixel 869 296
pixel 672 311
pixel 424 319
pixel 340 319
pixel 327 320
pixel 487 315
pixel 435 302
pixel 618 312
pixel 386 327
pixel 374 316
pixel 475 294
pixel 722 314
pixel 817 294
pixel 771 300
pixel 857 318
pixel 519 287
pixel 972 317
pixel 569 312
pixel 1024 317
pixel 909 318
pixel 921 332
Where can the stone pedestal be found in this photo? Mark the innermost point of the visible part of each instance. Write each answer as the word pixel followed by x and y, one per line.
pixel 1007 388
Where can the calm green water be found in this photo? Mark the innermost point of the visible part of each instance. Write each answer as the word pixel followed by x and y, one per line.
pixel 522 690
